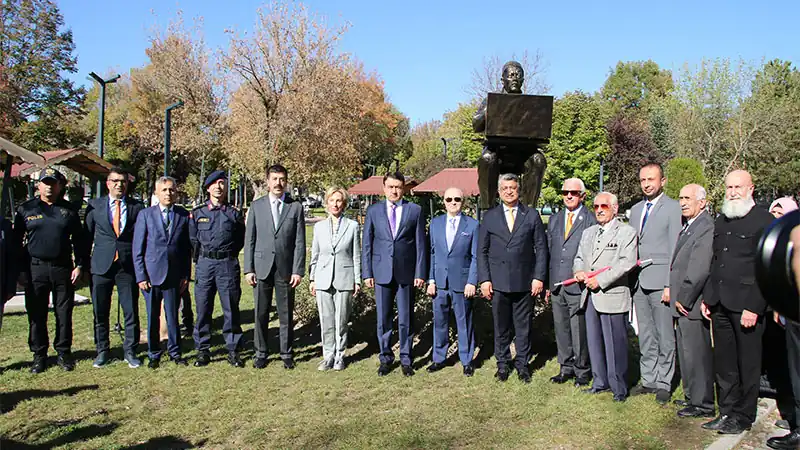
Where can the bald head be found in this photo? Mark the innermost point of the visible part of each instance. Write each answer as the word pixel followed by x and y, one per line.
pixel 739 185
pixel 453 200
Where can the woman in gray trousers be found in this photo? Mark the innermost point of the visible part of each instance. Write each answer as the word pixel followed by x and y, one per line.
pixel 335 276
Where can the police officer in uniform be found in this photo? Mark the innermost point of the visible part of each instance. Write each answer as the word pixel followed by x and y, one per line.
pixel 217 234
pixel 53 232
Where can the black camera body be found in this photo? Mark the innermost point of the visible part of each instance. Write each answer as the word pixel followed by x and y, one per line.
pixel 774 266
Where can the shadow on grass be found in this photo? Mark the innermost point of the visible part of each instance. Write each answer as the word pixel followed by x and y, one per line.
pixel 10 400
pixel 171 442
pixel 78 434
pixel 80 355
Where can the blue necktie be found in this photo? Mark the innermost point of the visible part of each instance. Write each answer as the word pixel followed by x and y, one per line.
pixel 646 215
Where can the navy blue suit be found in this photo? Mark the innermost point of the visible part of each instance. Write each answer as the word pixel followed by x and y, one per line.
pixel 451 270
pixel 164 259
pixel 394 263
pixel 511 260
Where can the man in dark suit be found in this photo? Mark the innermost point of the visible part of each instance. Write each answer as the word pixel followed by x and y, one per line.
pixel 563 237
pixel 275 259
pixel 162 263
pixel 691 264
pixel 512 267
pixel 736 305
pixel 658 220
pixel 109 224
pixel 393 261
pixel 453 279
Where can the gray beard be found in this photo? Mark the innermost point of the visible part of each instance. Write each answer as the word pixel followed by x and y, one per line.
pixel 736 209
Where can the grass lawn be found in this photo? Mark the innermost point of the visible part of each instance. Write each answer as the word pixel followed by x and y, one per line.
pixel 222 407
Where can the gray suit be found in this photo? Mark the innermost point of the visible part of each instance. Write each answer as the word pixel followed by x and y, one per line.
pixel 656 334
pixel 335 270
pixel 606 308
pixel 274 254
pixel 691 266
pixel 569 320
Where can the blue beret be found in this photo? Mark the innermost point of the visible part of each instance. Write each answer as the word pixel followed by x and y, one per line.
pixel 215 175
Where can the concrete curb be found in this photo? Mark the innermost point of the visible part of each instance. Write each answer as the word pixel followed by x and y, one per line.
pixel 765 407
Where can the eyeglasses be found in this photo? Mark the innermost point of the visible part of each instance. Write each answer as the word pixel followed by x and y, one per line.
pixel 603 206
pixel 453 199
pixel 572 193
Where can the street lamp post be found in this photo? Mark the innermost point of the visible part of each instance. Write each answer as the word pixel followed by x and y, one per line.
pixel 167 132
pixel 102 82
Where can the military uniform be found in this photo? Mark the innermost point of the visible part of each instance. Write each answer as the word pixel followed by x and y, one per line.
pixel 53 233
pixel 217 235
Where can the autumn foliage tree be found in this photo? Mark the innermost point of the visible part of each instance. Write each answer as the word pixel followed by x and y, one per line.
pixel 299 101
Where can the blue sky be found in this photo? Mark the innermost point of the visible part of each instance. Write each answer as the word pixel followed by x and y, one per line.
pixel 425 51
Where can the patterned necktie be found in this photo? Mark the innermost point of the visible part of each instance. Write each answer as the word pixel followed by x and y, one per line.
pixel 451 232
pixel 510 219
pixel 569 225
pixel 646 215
pixel 393 219
pixel 165 213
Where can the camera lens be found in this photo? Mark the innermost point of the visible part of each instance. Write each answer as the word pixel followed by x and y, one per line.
pixel 774 266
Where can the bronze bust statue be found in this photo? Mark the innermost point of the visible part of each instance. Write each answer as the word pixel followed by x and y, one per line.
pixel 515 126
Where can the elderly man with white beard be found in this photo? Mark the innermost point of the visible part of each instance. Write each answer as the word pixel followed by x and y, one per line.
pixel 735 305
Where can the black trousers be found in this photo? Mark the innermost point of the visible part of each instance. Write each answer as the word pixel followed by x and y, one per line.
pixel 187 318
pixel 46 278
pixel 570 327
pixel 775 365
pixel 128 298
pixel 284 303
pixel 693 338
pixel 737 363
pixel 512 310
pixel 789 394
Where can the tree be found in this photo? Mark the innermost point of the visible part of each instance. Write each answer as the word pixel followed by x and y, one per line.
pixel 299 101
pixel 631 148
pixel 680 172
pixel 463 143
pixel 577 145
pixel 632 85
pixel 36 55
pixel 486 78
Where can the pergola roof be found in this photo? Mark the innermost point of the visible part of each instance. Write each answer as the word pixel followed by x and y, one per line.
pixel 80 160
pixel 465 179
pixel 374 186
pixel 20 153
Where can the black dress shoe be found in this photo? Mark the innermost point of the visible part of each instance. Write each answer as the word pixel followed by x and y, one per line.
pixel 580 382
pixel 524 376
pixel 641 390
pixel 694 411
pixel 790 441
pixel 408 371
pixel 681 403
pixel 384 370
pixel 235 360
pixel 39 364
pixel 561 378
pixel 469 370
pixel 203 359
pixel 715 424
pixel 663 396
pixel 180 361
pixel 153 364
pixel 595 391
pixel 501 375
pixel 733 426
pixel 66 362
pixel 434 367
pixel 288 364
pixel 620 398
pixel 260 363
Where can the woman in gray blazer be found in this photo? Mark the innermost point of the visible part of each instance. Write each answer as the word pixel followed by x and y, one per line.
pixel 335 276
